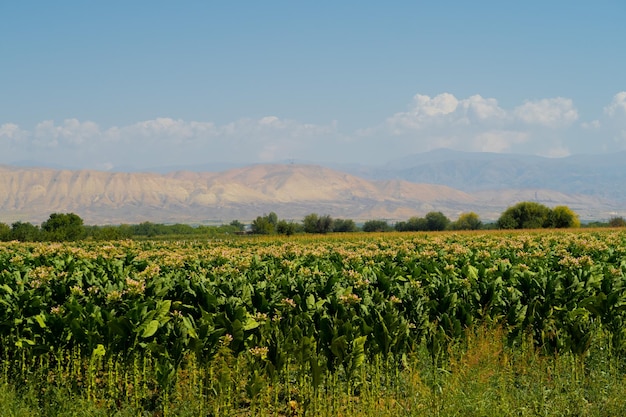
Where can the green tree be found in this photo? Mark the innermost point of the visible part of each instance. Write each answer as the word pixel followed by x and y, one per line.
pixel 148 229
pixel 238 225
pixel 414 224
pixel 313 223
pixel 286 228
pixel 376 226
pixel 25 232
pixel 263 225
pixel 436 220
pixel 63 227
pixel 344 225
pixel 5 232
pixel 617 222
pixel 467 221
pixel 106 233
pixel 563 217
pixel 525 215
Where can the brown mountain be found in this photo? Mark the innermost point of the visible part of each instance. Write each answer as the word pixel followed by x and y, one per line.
pixel 292 191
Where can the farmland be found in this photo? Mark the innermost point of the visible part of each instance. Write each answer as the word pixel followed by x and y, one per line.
pixel 517 323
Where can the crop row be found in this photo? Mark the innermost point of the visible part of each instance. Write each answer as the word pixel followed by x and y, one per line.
pixel 325 304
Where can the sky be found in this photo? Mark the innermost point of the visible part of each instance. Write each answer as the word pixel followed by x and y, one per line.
pixel 135 85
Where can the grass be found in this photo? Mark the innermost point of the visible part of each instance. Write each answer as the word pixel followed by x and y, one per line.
pixel 480 376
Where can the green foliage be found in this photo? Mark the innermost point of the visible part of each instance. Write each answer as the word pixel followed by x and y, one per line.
pixel 265 225
pixel 436 221
pixel 414 224
pixel 313 223
pixel 484 377
pixel 25 232
pixel 376 226
pixel 467 221
pixel 532 215
pixel 563 217
pixel 433 221
pixel 5 232
pixel 525 215
pixel 62 227
pixel 237 225
pixel 617 221
pixel 286 228
pixel 108 232
pixel 245 321
pixel 344 226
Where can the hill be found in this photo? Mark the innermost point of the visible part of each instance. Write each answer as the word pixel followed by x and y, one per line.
pixel 291 190
pixel 601 175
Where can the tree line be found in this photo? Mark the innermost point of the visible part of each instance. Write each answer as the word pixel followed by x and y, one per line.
pixel 70 227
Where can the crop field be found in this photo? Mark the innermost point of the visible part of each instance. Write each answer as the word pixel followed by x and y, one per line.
pixel 489 323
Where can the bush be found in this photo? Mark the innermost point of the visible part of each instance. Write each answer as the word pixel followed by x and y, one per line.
pixel 317 224
pixel 436 221
pixel 5 232
pixel 467 221
pixel 63 227
pixel 376 226
pixel 563 217
pixel 617 222
pixel 286 228
pixel 525 215
pixel 344 225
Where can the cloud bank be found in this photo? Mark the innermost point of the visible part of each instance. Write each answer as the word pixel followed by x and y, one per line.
pixel 547 126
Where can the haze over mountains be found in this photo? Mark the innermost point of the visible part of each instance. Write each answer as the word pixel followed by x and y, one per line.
pixel 448 181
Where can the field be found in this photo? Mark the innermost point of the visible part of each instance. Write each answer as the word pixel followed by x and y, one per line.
pixel 490 323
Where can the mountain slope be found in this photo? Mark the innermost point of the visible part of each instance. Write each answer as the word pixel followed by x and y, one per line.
pixel 31 194
pixel 602 176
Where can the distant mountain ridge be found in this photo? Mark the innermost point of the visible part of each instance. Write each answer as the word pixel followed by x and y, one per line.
pixel 603 176
pixel 291 190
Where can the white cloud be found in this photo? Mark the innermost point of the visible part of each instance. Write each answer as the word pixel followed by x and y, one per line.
pixel 617 106
pixel 498 141
pixel 594 124
pixel 167 141
pixel 444 103
pixel 476 123
pixel 71 132
pixel 444 110
pixel 483 108
pixel 12 132
pixel 550 112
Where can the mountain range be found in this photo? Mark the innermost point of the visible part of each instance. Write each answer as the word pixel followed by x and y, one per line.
pixel 447 181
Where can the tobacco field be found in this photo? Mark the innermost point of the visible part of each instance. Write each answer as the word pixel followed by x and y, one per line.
pixel 329 325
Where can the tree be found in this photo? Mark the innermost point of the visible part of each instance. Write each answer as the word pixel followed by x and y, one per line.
pixel 467 221
pixel 147 229
pixel 414 224
pixel 314 223
pixel 376 226
pixel 5 232
pixel 286 228
pixel 262 226
pixel 344 225
pixel 617 222
pixel 106 233
pixel 563 217
pixel 272 218
pixel 25 232
pixel 436 221
pixel 63 227
pixel 238 225
pixel 525 215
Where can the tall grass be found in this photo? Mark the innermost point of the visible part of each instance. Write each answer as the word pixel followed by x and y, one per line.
pixel 479 376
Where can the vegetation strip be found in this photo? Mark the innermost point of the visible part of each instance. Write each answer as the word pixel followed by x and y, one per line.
pixel 129 322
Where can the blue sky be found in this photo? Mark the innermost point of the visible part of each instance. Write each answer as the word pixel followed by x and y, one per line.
pixel 120 84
